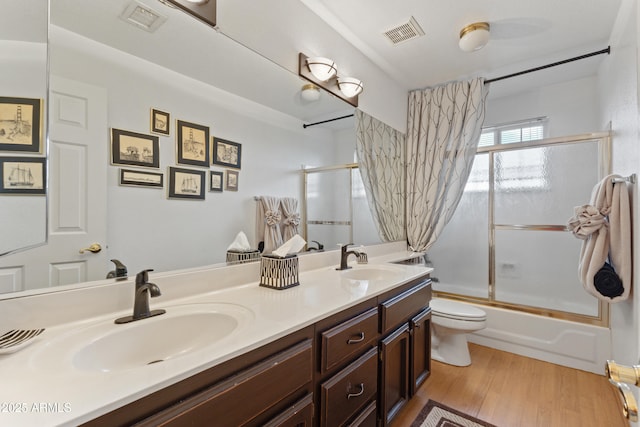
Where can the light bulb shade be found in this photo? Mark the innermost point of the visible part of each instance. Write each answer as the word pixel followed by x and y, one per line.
pixel 474 36
pixel 321 68
pixel 350 86
pixel 310 92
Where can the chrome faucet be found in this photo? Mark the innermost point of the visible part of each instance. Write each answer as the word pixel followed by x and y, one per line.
pixel 344 256
pixel 143 291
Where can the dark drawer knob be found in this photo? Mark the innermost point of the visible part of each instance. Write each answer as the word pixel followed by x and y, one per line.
pixel 356 340
pixel 358 393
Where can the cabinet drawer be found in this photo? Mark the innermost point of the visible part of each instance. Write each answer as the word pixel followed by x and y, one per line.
pixel 298 415
pixel 344 394
pixel 241 398
pixel 367 418
pixel 346 339
pixel 400 308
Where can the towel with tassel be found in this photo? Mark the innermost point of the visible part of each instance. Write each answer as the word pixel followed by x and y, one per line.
pixel 604 225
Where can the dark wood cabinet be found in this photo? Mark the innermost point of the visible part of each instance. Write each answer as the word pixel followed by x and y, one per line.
pixel 420 330
pixel 298 415
pixel 394 373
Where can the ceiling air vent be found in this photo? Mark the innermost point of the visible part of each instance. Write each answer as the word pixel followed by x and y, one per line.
pixel 405 32
pixel 142 16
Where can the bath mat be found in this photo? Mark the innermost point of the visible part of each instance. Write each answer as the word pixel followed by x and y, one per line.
pixel 435 414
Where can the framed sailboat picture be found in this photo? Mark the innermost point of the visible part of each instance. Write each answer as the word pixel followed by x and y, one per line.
pixel 186 183
pixel 20 124
pixel 193 144
pixel 22 175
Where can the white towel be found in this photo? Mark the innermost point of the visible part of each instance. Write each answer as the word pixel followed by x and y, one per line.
pixel 605 227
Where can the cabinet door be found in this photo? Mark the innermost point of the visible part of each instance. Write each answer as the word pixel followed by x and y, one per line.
pixel 420 326
pixel 298 415
pixel 394 373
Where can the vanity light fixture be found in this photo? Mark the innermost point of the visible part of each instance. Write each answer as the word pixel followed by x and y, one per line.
pixel 203 10
pixel 323 73
pixel 322 68
pixel 310 92
pixel 474 36
pixel 350 86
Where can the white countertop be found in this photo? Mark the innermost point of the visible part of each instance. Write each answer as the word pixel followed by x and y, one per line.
pixel 42 387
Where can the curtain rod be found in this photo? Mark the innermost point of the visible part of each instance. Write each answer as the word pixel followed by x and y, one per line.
pixel 327 121
pixel 577 58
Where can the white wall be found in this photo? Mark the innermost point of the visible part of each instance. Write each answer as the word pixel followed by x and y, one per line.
pixel 618 90
pixel 146 229
pixel 571 106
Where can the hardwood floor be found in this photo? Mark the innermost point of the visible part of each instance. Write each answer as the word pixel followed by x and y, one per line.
pixel 515 391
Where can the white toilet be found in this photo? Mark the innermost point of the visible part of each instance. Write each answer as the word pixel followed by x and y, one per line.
pixel 451 321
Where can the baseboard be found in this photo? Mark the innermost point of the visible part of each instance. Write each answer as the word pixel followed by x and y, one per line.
pixel 576 345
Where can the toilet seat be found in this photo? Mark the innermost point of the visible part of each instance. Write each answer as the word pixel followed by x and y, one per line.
pixel 456 311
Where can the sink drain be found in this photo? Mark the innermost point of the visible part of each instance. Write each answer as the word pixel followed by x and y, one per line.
pixel 155 361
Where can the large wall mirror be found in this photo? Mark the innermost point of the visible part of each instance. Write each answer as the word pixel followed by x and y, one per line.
pixel 107 75
pixel 23 88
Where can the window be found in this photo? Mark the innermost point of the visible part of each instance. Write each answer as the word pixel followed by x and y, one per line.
pixel 525 168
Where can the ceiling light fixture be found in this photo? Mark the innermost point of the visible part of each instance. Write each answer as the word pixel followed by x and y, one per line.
pixel 474 36
pixel 350 86
pixel 323 73
pixel 310 92
pixel 322 68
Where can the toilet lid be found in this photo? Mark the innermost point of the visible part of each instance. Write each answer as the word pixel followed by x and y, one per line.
pixel 456 310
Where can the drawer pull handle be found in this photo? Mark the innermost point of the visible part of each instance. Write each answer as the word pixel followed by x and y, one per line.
pixel 356 340
pixel 350 395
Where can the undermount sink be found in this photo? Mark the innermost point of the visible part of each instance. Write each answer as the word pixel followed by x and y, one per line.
pixel 182 330
pixel 370 273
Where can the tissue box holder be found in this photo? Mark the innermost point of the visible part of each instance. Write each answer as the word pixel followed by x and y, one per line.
pixel 279 273
pixel 237 257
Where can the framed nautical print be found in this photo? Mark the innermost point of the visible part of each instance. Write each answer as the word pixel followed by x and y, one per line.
pixel 232 180
pixel 22 175
pixel 21 124
pixel 216 181
pixel 141 178
pixel 134 149
pixel 160 122
pixel 227 153
pixel 186 183
pixel 193 144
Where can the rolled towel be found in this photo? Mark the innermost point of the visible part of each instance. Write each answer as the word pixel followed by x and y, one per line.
pixel 607 282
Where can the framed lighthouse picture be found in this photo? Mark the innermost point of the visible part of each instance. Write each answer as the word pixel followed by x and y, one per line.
pixel 21 124
pixel 22 175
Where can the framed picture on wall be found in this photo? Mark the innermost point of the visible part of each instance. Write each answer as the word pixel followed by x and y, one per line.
pixel 160 122
pixel 20 124
pixel 216 179
pixel 139 178
pixel 22 175
pixel 134 149
pixel 232 180
pixel 193 144
pixel 186 183
pixel 227 153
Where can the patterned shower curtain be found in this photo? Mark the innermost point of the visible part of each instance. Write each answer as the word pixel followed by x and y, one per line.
pixel 380 152
pixel 443 129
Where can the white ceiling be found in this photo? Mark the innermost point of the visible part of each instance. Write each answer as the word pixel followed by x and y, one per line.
pixel 524 34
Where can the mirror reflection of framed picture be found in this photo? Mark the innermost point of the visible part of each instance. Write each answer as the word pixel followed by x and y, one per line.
pixel 134 149
pixel 216 180
pixel 22 175
pixel 227 153
pixel 20 124
pixel 232 180
pixel 193 144
pixel 186 183
pixel 160 122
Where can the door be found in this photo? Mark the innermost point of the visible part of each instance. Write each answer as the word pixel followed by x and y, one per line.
pixel 78 153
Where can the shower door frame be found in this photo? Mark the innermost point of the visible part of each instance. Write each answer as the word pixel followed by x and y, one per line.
pixel 604 169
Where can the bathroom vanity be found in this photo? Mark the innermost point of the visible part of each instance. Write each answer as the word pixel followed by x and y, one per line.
pixel 343 348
